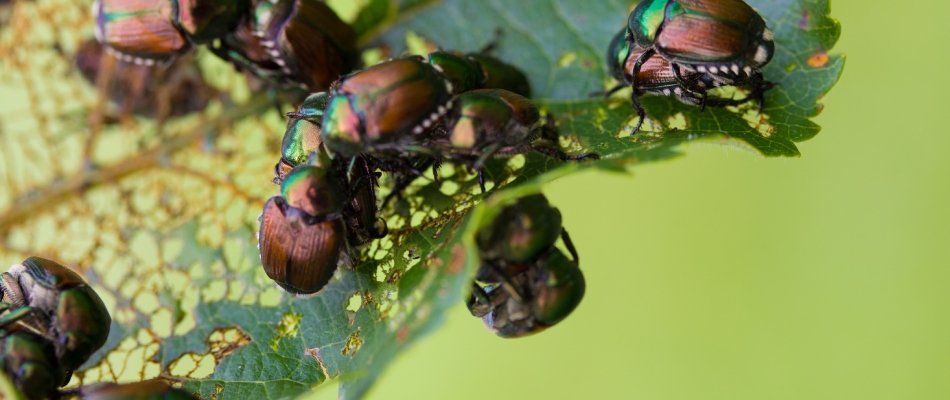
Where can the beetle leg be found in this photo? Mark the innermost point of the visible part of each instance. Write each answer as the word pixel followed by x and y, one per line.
pixel 634 96
pixel 435 171
pixel 549 131
pixel 479 164
pixel 569 244
pixel 493 44
pixel 15 316
pixel 678 76
pixel 506 283
pixel 487 154
pixel 479 294
pixel 761 86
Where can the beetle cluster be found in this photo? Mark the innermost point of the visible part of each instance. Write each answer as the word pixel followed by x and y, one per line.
pixel 401 117
pixel 410 114
pixel 290 42
pixel 51 324
pixel 526 283
pixel 149 91
pixel 687 47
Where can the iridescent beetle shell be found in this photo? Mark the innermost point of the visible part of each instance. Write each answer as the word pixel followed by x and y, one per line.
pixel 464 73
pixel 150 91
pixel 492 116
pixel 302 235
pixel 554 286
pixel 28 359
pixel 74 314
pixel 30 362
pixel 489 123
pixel 294 42
pixel 501 75
pixel 530 284
pixel 479 71
pixel 559 290
pixel 656 76
pixel 146 31
pixel 302 144
pixel 521 231
pixel 722 37
pixel 154 389
pixel 140 29
pixel 384 104
pixel 303 135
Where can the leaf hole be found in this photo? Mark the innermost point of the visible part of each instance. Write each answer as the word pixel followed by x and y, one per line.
pixel 353 344
pixel 288 326
pixel 355 302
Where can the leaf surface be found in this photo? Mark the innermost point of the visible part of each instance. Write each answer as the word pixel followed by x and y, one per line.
pixel 161 216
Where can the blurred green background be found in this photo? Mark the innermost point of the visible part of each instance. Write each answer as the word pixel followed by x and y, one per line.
pixel 722 275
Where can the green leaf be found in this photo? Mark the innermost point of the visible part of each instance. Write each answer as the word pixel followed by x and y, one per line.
pixel 161 217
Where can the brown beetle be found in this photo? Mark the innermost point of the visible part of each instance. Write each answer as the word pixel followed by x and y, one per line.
pixel 302 234
pixel 293 42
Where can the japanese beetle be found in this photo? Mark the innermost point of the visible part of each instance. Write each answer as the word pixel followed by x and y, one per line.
pixel 27 358
pixel 29 361
pixel 520 232
pixel 72 313
pixel 723 37
pixel 530 284
pixel 490 123
pixel 385 108
pixel 479 71
pixel 362 212
pixel 657 76
pixel 302 144
pixel 302 234
pixel 726 40
pixel 552 286
pixel 293 43
pixel 146 32
pixel 303 135
pixel 154 389
pixel 150 91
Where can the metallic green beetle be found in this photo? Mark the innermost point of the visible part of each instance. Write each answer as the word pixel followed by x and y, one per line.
pixel 156 92
pixel 27 358
pixel 302 234
pixel 726 40
pixel 553 286
pixel 303 135
pixel 479 71
pixel 656 76
pixel 385 108
pixel 490 123
pixel 302 144
pixel 722 37
pixel 530 284
pixel 150 31
pixel 69 310
pixel 154 389
pixel 520 232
